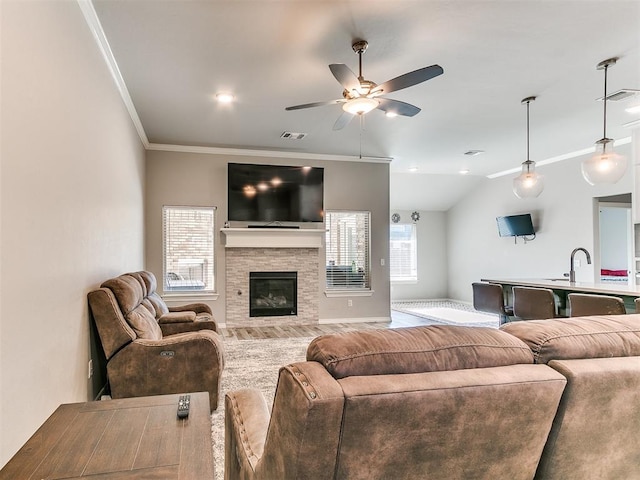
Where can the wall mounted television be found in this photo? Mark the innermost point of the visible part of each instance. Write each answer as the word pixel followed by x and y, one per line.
pixel 515 225
pixel 275 193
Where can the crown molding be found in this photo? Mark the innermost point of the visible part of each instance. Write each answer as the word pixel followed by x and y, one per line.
pixel 91 17
pixel 264 153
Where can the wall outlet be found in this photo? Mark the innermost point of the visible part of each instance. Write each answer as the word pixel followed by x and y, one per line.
pixel 382 259
pixel 578 262
pixel 349 303
pixel 90 370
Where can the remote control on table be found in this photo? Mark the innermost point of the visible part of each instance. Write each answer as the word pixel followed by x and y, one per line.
pixel 183 406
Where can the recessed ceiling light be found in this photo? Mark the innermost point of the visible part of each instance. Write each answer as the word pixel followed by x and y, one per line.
pixel 391 114
pixel 413 169
pixel 224 97
pixel 464 171
pixel 634 109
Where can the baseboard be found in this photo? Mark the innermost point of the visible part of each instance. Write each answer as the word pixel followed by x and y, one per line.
pixel 409 300
pixel 324 321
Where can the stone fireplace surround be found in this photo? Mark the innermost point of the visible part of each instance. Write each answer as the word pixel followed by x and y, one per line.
pixel 265 250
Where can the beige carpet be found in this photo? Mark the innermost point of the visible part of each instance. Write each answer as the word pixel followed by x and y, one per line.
pixel 252 364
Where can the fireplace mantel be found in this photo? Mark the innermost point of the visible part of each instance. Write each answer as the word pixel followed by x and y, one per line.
pixel 273 237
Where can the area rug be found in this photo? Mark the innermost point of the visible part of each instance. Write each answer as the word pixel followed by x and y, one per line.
pixel 252 364
pixel 447 313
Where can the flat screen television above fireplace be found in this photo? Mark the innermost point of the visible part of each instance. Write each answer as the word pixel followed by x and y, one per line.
pixel 275 193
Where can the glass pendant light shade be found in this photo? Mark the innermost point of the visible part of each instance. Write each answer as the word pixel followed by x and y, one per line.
pixel 605 166
pixel 528 184
pixel 360 105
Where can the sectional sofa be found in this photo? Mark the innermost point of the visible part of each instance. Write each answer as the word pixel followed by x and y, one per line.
pixel 551 399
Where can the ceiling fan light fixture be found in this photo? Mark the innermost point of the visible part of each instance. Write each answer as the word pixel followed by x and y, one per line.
pixel 360 105
pixel 605 166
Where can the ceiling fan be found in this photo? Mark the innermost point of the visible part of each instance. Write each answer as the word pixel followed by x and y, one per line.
pixel 360 96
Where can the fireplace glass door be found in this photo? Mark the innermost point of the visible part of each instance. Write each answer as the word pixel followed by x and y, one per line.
pixel 273 294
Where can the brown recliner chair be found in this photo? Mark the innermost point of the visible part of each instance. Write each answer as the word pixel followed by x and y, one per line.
pixel 177 319
pixel 437 402
pixel 142 358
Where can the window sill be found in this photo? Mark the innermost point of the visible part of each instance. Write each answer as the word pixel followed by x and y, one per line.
pixel 405 282
pixel 349 293
pixel 189 296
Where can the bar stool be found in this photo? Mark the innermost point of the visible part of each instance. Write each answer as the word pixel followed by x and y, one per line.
pixel 489 298
pixel 532 303
pixel 584 304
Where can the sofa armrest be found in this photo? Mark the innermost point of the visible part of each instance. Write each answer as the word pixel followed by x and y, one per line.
pixel 185 362
pixel 195 307
pixel 246 424
pixel 178 317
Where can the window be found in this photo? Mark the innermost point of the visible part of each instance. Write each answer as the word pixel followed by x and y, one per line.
pixel 347 250
pixel 403 259
pixel 188 235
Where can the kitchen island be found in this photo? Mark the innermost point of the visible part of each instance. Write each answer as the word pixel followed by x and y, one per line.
pixel 562 287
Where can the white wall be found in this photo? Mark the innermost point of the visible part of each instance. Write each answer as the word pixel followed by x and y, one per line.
pixel 71 207
pixel 563 216
pixel 431 236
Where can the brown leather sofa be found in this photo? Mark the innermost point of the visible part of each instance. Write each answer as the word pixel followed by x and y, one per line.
pixel 596 432
pixel 438 402
pixel 152 349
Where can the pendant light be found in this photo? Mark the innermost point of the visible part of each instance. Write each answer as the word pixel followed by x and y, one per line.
pixel 528 184
pixel 605 166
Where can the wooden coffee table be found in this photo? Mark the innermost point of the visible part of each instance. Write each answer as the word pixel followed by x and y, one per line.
pixel 131 438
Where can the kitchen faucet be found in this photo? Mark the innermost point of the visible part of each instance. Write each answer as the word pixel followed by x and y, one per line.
pixel 572 272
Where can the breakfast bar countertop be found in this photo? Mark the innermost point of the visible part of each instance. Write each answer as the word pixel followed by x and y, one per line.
pixel 613 288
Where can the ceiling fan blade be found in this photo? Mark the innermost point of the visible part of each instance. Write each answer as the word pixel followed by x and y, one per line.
pixel 345 76
pixel 343 120
pixel 315 104
pixel 388 105
pixel 408 79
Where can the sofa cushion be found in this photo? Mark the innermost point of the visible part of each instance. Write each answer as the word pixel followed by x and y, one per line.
pixel 579 337
pixel 158 304
pixel 127 290
pixel 144 323
pixel 416 349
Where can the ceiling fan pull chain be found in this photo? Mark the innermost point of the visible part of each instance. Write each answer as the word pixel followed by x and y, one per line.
pixel 361 128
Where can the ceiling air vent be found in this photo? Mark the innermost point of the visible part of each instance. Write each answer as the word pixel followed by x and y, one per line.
pixel 621 94
pixel 293 135
pixel 473 153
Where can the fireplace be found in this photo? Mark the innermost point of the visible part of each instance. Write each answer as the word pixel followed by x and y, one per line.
pixel 273 294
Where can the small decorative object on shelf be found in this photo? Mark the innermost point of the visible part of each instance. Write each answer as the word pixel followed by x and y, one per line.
pixel 227 224
pixel 395 218
pixel 415 216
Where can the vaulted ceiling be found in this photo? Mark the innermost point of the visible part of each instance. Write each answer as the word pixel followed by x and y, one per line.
pixel 174 56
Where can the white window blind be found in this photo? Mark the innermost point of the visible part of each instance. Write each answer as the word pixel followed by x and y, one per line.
pixel 403 258
pixel 188 249
pixel 348 250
